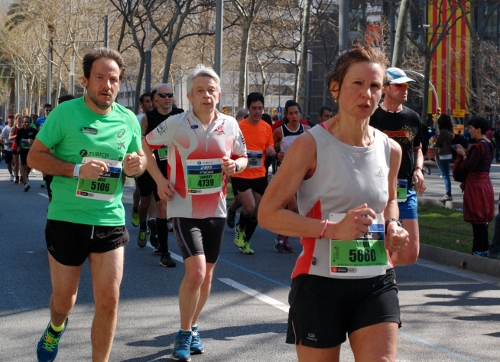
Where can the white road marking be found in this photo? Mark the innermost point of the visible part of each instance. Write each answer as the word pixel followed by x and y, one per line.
pixel 253 293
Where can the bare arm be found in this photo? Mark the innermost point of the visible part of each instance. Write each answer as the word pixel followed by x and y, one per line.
pixel 134 164
pixel 277 136
pixel 396 237
pixel 275 217
pixel 39 157
pixel 418 174
pixel 144 125
pixel 165 188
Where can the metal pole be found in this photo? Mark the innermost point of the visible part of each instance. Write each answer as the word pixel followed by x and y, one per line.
pixel 448 73
pixel 392 15
pixel 309 83
pixel 18 85
pixel 432 86
pixel 49 74
pixel 343 25
pixel 25 90
pixel 148 58
pixel 72 75
pixel 219 26
pixel 106 32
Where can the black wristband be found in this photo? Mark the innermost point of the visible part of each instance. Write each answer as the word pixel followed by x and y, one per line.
pixel 392 219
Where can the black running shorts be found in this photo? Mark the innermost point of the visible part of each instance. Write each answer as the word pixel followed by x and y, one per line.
pixel 199 236
pixel 258 185
pixel 23 153
pixel 147 185
pixel 8 156
pixel 70 244
pixel 323 310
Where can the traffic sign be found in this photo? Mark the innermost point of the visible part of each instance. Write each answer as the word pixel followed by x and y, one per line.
pixel 458 113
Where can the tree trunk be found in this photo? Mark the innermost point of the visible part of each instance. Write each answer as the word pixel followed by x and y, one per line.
pixel 138 84
pixel 425 105
pixel 168 63
pixel 302 78
pixel 400 33
pixel 245 34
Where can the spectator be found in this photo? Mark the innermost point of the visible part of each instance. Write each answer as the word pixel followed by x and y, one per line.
pixel 479 201
pixel 443 145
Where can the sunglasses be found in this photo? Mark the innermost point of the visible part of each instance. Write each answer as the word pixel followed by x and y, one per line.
pixel 406 85
pixel 165 95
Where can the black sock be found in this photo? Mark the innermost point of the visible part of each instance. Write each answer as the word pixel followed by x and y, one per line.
pixel 244 220
pixel 143 226
pixel 251 226
pixel 162 232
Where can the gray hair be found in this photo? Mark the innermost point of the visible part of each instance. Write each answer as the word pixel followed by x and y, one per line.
pixel 202 71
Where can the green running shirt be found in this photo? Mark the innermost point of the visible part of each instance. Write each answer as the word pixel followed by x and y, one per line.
pixel 75 132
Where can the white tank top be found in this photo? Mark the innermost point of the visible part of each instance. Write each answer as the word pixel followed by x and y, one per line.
pixel 345 177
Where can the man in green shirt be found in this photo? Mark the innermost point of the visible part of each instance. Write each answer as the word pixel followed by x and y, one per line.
pixel 94 141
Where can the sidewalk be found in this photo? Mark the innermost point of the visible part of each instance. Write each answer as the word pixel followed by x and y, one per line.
pixel 452 258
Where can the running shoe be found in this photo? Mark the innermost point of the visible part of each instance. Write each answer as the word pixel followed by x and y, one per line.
pixel 446 198
pixel 135 218
pixel 197 346
pixel 182 346
pixel 246 249
pixel 239 237
pixel 283 245
pixel 230 217
pixel 27 186
pixel 153 236
pixel 288 247
pixel 12 177
pixel 43 183
pixel 483 254
pixel 48 345
pixel 142 240
pixel 157 250
pixel 167 261
pixel 17 180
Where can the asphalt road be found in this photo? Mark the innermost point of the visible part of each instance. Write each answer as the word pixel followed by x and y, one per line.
pixel 448 314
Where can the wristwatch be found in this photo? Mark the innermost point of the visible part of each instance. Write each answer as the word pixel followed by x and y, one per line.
pixel 392 219
pixel 236 167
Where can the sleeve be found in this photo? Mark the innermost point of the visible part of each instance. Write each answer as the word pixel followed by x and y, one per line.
pixel 136 142
pixel 441 138
pixel 239 146
pixel 417 142
pixel 53 129
pixel 270 139
pixel 472 160
pixel 163 134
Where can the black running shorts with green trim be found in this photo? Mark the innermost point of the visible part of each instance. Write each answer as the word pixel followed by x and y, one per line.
pixel 70 244
pixel 323 310
pixel 240 184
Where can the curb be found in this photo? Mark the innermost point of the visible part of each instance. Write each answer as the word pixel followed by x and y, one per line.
pixel 452 258
pixel 468 262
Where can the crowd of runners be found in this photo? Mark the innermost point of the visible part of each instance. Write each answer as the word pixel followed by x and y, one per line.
pixel 338 185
